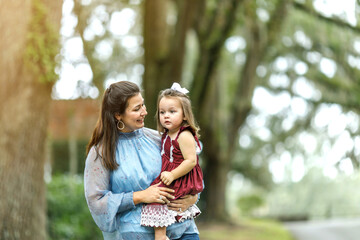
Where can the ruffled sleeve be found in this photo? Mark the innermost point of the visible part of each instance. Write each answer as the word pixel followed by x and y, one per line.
pixel 102 202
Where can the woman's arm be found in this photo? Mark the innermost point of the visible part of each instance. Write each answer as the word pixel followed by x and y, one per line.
pixel 102 202
pixel 188 149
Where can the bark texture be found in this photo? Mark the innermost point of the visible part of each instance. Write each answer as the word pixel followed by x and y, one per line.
pixel 25 96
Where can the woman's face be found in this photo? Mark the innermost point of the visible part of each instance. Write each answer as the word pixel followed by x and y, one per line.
pixel 134 115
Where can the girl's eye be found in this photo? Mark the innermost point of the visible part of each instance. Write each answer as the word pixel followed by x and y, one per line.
pixel 172 111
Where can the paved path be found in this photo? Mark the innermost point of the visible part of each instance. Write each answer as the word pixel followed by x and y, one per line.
pixel 337 229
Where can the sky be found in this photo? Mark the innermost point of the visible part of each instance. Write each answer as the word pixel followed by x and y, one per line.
pixel 331 116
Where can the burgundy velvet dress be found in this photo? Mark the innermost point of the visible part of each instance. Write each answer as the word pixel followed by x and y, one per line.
pixel 158 215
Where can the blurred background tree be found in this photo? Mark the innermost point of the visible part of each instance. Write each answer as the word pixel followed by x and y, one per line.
pixel 29 44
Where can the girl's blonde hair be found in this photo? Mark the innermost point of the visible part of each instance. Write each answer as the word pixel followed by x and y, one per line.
pixel 186 107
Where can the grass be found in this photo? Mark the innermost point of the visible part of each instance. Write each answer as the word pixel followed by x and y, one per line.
pixel 247 229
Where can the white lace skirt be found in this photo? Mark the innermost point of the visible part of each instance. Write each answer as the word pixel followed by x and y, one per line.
pixel 161 216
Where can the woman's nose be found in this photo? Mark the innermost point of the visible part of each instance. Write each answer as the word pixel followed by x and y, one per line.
pixel 144 112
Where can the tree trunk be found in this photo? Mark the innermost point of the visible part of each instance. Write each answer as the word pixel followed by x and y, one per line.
pixel 215 178
pixel 221 136
pixel 207 94
pixel 215 170
pixel 26 86
pixel 164 52
pixel 156 48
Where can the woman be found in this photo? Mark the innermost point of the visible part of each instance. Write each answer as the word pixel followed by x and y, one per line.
pixel 123 159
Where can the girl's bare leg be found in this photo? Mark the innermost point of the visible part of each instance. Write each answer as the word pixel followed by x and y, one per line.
pixel 160 233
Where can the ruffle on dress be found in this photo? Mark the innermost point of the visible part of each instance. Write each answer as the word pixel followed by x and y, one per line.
pixel 191 212
pixel 160 216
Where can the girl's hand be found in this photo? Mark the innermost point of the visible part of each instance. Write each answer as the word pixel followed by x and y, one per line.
pixel 153 194
pixel 182 203
pixel 167 177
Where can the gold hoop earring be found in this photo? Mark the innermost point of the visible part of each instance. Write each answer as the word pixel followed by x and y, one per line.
pixel 123 125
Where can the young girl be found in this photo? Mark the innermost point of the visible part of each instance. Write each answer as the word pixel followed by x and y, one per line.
pixel 180 167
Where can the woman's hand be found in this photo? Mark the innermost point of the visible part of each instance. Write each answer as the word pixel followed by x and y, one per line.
pixel 182 203
pixel 153 194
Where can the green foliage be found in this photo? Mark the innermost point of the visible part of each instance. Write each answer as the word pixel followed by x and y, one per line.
pixel 251 163
pixel 60 155
pixel 68 214
pixel 249 203
pixel 42 44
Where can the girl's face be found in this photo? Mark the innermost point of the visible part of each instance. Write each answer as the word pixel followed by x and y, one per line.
pixel 134 115
pixel 171 113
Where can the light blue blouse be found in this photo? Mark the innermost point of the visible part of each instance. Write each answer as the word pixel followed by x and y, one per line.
pixel 109 194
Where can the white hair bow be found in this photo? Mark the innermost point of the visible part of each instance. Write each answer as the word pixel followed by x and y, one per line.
pixel 178 88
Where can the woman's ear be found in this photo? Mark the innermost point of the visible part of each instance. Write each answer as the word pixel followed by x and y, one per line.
pixel 117 116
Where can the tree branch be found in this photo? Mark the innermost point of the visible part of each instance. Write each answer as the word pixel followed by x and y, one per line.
pixel 333 20
pixel 210 51
pixel 98 74
pixel 255 54
pixel 186 13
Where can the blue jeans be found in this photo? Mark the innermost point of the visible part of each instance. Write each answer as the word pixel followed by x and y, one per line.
pixel 193 236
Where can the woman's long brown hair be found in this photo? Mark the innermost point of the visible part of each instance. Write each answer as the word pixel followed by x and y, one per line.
pixel 105 134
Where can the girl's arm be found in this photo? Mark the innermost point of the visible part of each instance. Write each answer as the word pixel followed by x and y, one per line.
pixel 188 149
